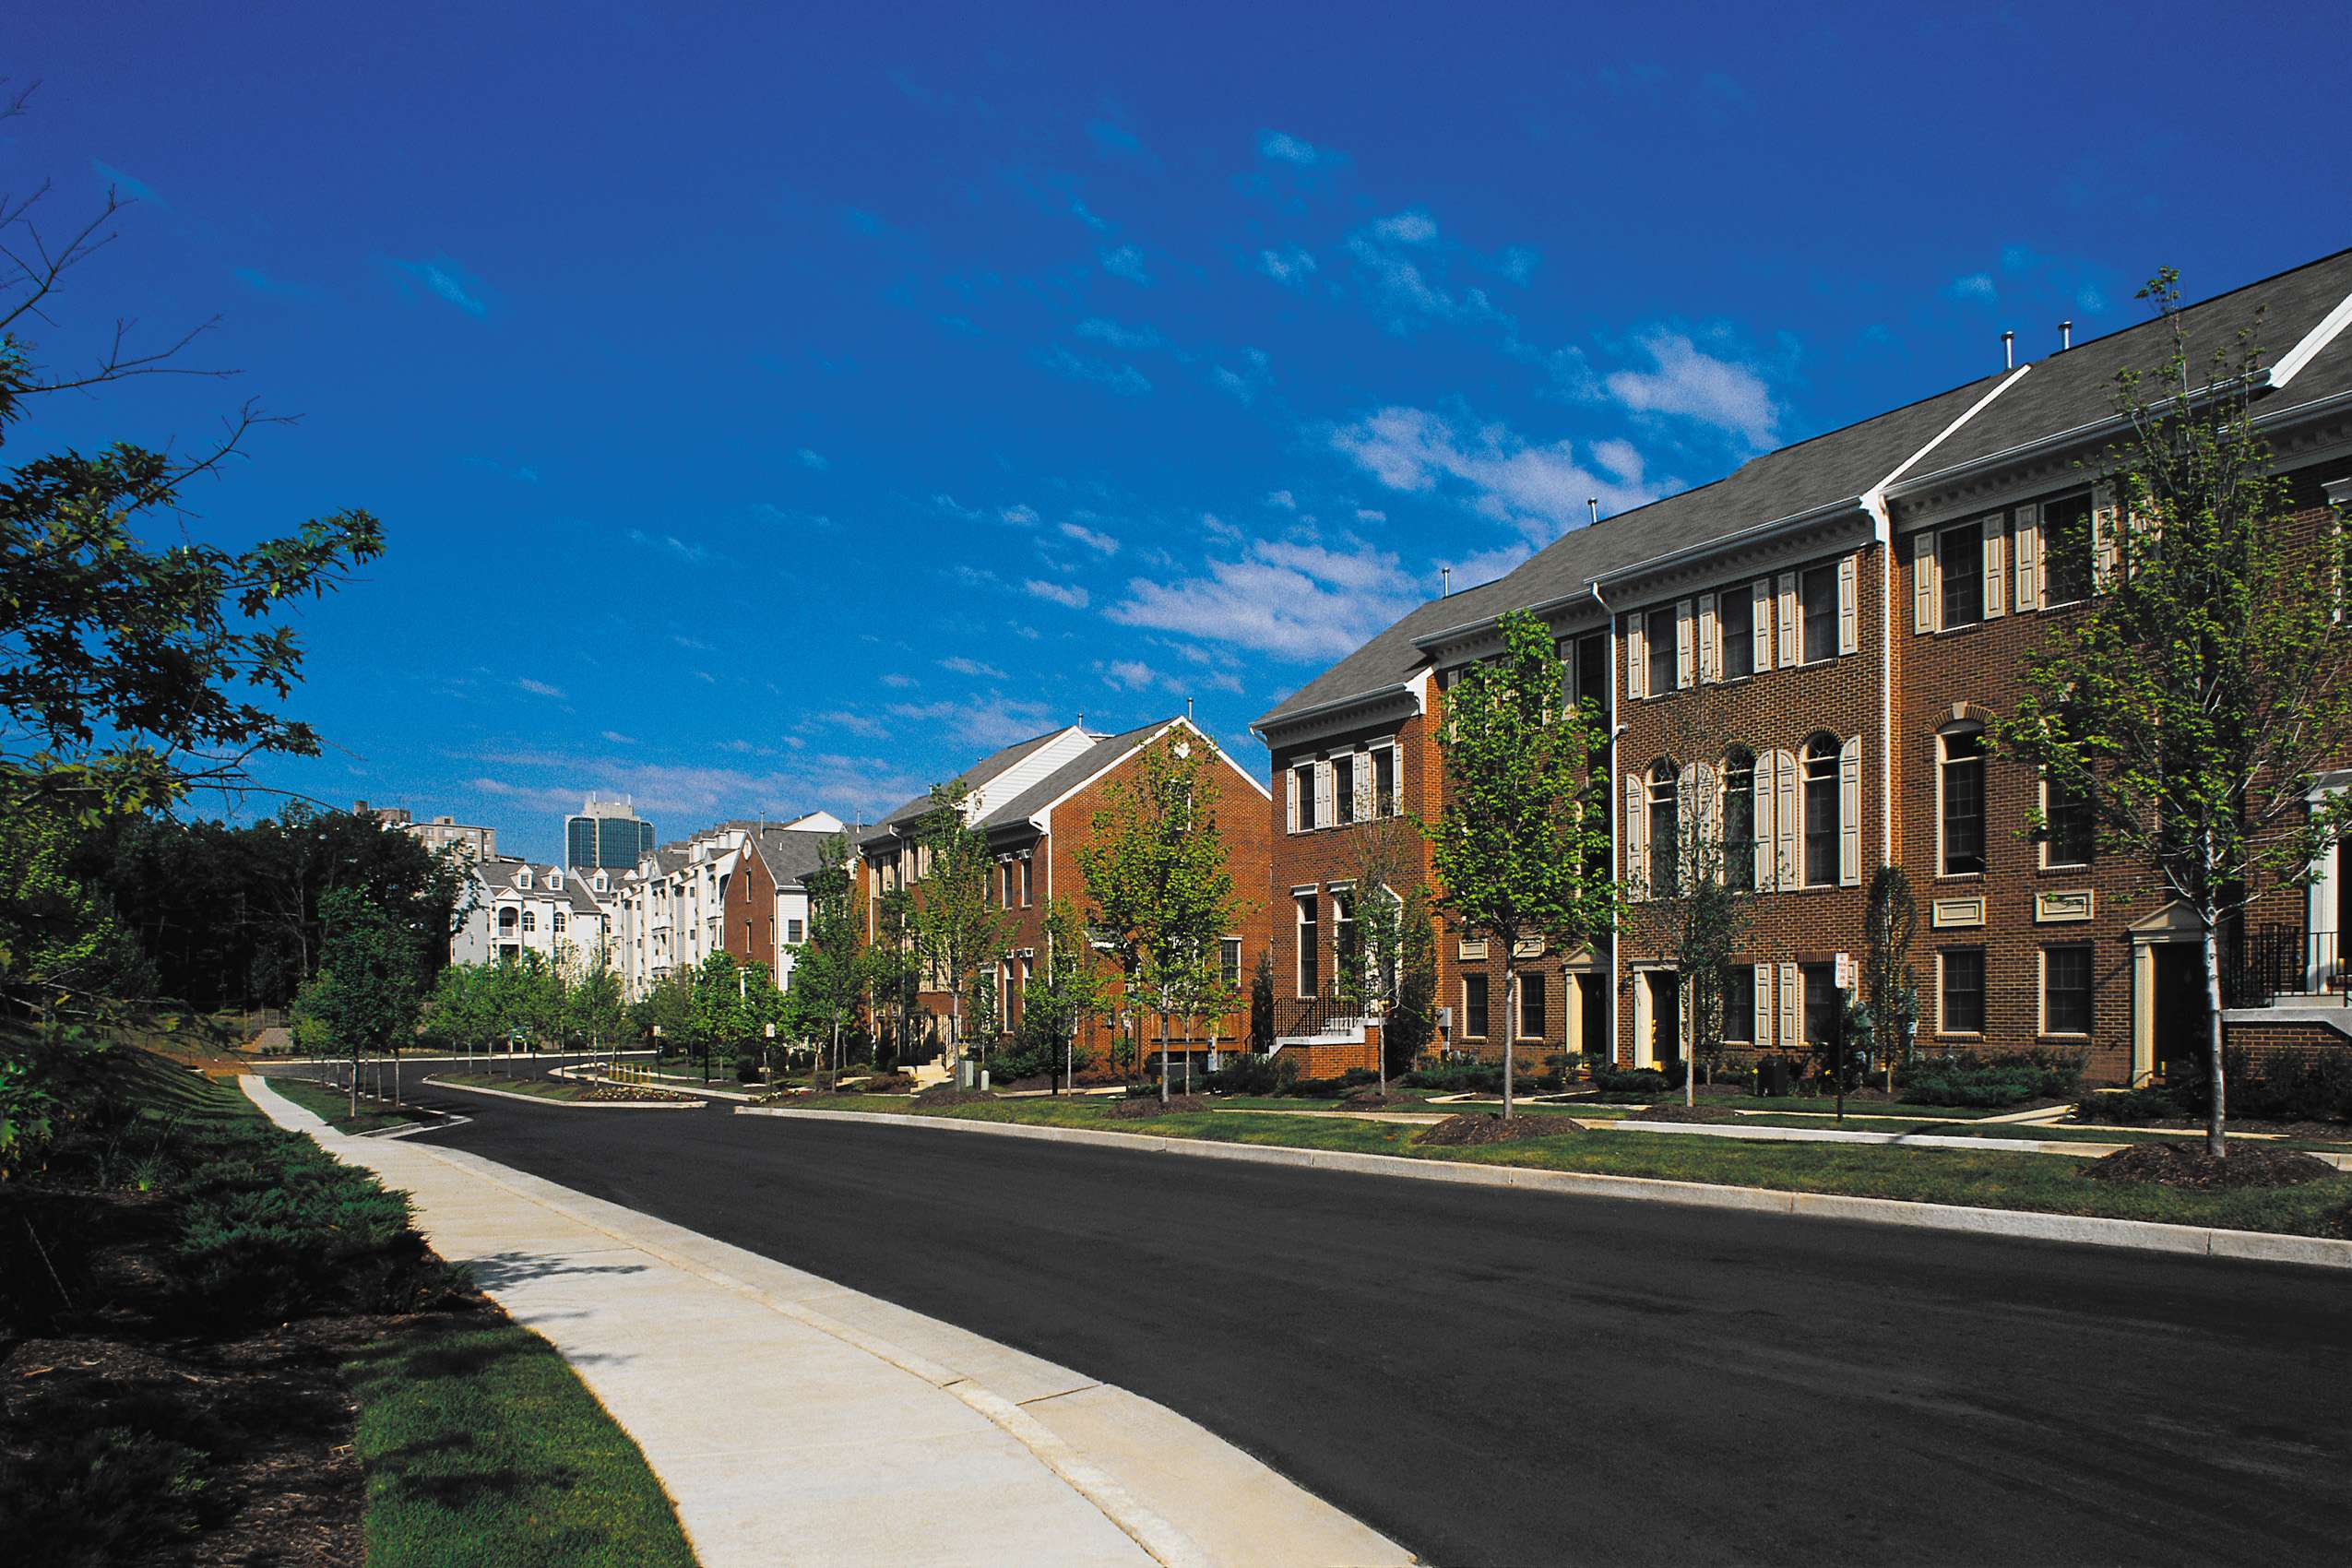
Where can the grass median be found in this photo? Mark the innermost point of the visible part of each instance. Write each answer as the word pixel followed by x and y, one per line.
pixel 335 1105
pixel 1995 1179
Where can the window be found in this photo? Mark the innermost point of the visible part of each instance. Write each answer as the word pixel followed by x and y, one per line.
pixel 1229 962
pixel 1963 800
pixel 792 934
pixel 530 920
pixel 1658 631
pixel 1343 788
pixel 1532 1001
pixel 2067 549
pixel 1026 864
pixel 1960 564
pixel 1309 934
pixel 1820 781
pixel 1346 955
pixel 1474 1006
pixel 2066 990
pixel 1735 616
pixel 1592 670
pixel 2069 836
pixel 1820 1002
pixel 1739 819
pixel 1739 1004
pixel 1383 766
pixel 1963 989
pixel 556 923
pixel 1302 794
pixel 1664 825
pixel 1818 590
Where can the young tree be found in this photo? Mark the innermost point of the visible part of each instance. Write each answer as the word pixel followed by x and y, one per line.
pixel 1412 1022
pixel 715 1013
pixel 1521 848
pixel 1889 988
pixel 2191 704
pixel 1069 988
pixel 1163 892
pixel 764 1007
pixel 960 928
pixel 894 969
pixel 367 990
pixel 597 1016
pixel 665 1013
pixel 1386 862
pixel 829 976
pixel 1261 1004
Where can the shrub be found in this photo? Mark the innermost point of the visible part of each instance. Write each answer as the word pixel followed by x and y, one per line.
pixel 2129 1108
pixel 2277 1087
pixel 1246 1073
pixel 1986 1082
pixel 888 1083
pixel 1630 1081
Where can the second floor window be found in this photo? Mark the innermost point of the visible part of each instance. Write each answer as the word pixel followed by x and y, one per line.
pixel 1964 802
pixel 1960 566
pixel 1343 788
pixel 1740 820
pixel 2066 550
pixel 1658 632
pixel 1302 791
pixel 1383 766
pixel 1819 784
pixel 2069 834
pixel 1818 589
pixel 1664 825
pixel 792 932
pixel 1735 616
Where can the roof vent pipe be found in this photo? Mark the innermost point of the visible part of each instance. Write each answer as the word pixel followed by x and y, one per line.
pixel 1592 503
pixel 2009 351
pixel 2065 336
pixel 1445 581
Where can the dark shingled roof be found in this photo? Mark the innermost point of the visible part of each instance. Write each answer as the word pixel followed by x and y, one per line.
pixel 972 778
pixel 1069 776
pixel 791 853
pixel 2066 392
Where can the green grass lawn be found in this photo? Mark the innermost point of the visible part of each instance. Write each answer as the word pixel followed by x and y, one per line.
pixel 481 1446
pixel 2046 1184
pixel 335 1105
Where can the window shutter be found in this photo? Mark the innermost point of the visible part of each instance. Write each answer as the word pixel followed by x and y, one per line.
pixel 1290 795
pixel 1323 814
pixel 1850 621
pixel 1363 772
pixel 1760 605
pixel 1710 808
pixel 2027 557
pixel 1682 650
pixel 1923 581
pixel 1764 1006
pixel 1791 1033
pixel 1761 799
pixel 1789 628
pixel 1710 656
pixel 1849 812
pixel 1637 832
pixel 1994 575
pixel 1785 821
pixel 2104 524
pixel 1637 660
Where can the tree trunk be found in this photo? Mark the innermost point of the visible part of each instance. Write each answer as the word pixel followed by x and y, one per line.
pixel 2216 1144
pixel 355 1083
pixel 1510 1001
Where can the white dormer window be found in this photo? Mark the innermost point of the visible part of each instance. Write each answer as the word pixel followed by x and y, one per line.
pixel 523 880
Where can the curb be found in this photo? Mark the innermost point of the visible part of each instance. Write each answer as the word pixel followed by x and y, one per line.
pixel 2144 1235
pixel 571 1104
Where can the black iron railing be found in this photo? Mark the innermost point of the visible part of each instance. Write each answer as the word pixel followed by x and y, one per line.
pixel 1301 1015
pixel 2261 963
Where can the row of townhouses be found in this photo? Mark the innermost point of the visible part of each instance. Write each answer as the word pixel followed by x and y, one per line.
pixel 1809 651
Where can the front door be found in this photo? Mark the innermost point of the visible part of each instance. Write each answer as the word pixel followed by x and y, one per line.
pixel 1666 1017
pixel 2180 1009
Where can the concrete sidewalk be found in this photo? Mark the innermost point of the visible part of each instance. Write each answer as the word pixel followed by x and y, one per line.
pixel 795 1421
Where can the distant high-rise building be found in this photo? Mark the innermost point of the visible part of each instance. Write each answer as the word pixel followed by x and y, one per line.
pixel 441 833
pixel 606 832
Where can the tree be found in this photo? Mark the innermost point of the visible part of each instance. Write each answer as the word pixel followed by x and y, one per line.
pixel 829 976
pixel 597 1015
pixel 715 1010
pixel 1521 846
pixel 764 1007
pixel 1069 988
pixel 1262 1003
pixel 2190 706
pixel 1158 877
pixel 894 968
pixel 1386 867
pixel 1889 988
pixel 1412 1022
pixel 366 994
pixel 665 1013
pixel 959 928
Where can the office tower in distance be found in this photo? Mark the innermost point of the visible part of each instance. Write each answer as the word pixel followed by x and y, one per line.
pixel 606 831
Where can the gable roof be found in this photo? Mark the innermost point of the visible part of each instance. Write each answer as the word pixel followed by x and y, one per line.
pixel 1106 751
pixel 990 766
pixel 791 853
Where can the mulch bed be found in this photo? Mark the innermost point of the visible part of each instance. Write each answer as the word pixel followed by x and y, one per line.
pixel 630 1094
pixel 1151 1105
pixel 1376 1101
pixel 1470 1131
pixel 946 1095
pixel 2188 1165
pixel 1673 1112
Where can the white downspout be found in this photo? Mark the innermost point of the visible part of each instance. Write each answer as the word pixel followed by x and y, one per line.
pixel 1616 870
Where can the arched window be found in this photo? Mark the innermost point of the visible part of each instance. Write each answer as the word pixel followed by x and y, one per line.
pixel 556 924
pixel 1739 819
pixel 530 921
pixel 1960 799
pixel 506 921
pixel 1817 776
pixel 1665 824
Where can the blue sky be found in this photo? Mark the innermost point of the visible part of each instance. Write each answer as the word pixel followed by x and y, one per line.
pixel 772 413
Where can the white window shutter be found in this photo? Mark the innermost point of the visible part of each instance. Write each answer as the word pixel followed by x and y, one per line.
pixel 1290 795
pixel 2027 555
pixel 1788 627
pixel 1363 776
pixel 1683 663
pixel 1786 821
pixel 1324 815
pixel 2105 525
pixel 1923 581
pixel 1849 619
pixel 1710 657
pixel 1710 807
pixel 1791 1031
pixel 1637 832
pixel 1995 577
pixel 1849 812
pixel 1764 1006
pixel 1637 660
pixel 1762 799
pixel 1761 625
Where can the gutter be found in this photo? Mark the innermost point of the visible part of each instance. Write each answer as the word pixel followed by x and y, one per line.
pixel 1333 704
pixel 1617 833
pixel 1430 640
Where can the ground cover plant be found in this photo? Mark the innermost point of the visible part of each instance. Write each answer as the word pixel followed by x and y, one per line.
pixel 574 1090
pixel 1992 1082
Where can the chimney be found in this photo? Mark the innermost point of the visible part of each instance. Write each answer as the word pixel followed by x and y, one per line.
pixel 2065 336
pixel 2009 349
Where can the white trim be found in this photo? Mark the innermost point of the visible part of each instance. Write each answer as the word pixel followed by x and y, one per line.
pixel 2291 363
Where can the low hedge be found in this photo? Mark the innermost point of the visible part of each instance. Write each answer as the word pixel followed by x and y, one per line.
pixel 2277 1087
pixel 1990 1082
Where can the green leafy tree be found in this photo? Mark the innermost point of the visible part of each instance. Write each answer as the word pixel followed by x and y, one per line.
pixel 1521 846
pixel 1262 1003
pixel 959 928
pixel 597 1017
pixel 1067 989
pixel 368 989
pixel 1412 1020
pixel 1386 862
pixel 764 1007
pixel 664 1014
pixel 1162 889
pixel 1890 986
pixel 894 969
pixel 715 1015
pixel 2191 705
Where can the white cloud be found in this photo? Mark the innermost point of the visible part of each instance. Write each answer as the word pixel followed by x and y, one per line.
pixel 811 458
pixel 1248 382
pixel 1070 594
pixel 693 555
pixel 855 723
pixel 901 681
pixel 996 721
pixel 1284 147
pixel 446 279
pixel 1125 261
pixel 617 738
pixel 956 508
pixel 1019 516
pixel 1101 543
pixel 1541 491
pixel 1366 515
pixel 1695 384
pixel 1975 286
pixel 1410 228
pixel 539 688
pixel 1399 287
pixel 1286 266
pixel 1132 673
pixel 1111 334
pixel 960 665
pixel 862 787
pixel 1123 379
pixel 1283 499
pixel 1620 458
pixel 1295 602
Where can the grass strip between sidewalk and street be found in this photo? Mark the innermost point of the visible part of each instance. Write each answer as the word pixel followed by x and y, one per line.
pixel 335 1105
pixel 1995 1179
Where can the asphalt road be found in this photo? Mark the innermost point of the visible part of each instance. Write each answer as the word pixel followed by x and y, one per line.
pixel 1496 1377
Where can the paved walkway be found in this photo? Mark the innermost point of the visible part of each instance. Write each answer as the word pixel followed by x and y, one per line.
pixel 795 1422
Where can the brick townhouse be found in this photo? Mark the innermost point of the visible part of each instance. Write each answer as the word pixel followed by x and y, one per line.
pixel 763 913
pixel 1036 799
pixel 1807 652
pixel 674 909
